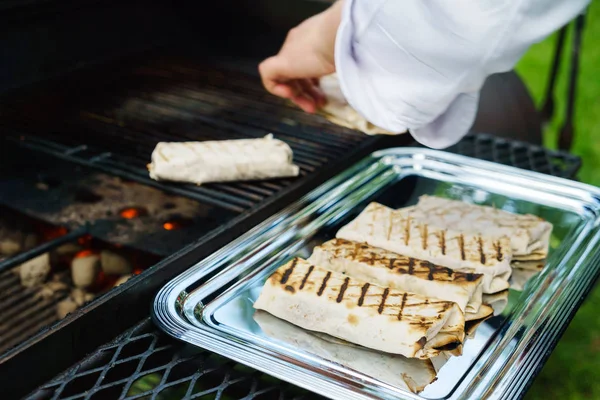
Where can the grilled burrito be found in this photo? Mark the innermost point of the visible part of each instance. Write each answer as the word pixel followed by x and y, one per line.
pixel 405 373
pixel 222 161
pixel 529 234
pixel 372 316
pixel 388 269
pixel 395 230
pixel 338 111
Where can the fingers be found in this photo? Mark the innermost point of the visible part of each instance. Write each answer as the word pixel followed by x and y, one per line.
pixel 278 79
pixel 314 91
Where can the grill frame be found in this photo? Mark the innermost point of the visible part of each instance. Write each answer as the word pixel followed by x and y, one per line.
pixel 481 145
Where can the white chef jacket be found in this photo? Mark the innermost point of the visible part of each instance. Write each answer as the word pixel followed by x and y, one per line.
pixel 419 65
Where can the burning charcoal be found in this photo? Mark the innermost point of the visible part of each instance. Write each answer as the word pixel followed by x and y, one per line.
pixel 65 307
pixel 114 264
pixel 80 296
pixel 8 247
pixel 122 280
pixel 84 270
pixel 68 248
pixel 35 271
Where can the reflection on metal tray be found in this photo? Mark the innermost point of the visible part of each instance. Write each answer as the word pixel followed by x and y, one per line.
pixel 210 305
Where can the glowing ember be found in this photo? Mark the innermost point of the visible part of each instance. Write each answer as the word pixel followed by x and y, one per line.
pixel 137 271
pixel 54 233
pixel 169 226
pixel 83 253
pixel 132 212
pixel 176 224
pixel 85 240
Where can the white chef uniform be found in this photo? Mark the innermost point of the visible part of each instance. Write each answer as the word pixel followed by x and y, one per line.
pixel 420 64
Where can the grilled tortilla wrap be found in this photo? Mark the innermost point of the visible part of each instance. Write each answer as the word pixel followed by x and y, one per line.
pixel 388 269
pixel 338 111
pixel 406 373
pixel 529 234
pixel 394 230
pixel 534 265
pixel 520 277
pixel 222 161
pixel 498 301
pixel 379 318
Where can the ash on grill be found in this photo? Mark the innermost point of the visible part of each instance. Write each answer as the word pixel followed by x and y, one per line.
pixel 45 288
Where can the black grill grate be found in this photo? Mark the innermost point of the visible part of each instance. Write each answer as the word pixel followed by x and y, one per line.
pixel 115 124
pixel 145 363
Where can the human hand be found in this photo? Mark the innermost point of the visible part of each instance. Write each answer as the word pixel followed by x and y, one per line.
pixel 306 55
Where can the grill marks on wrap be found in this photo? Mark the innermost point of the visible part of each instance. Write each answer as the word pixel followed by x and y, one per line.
pixel 347 292
pixel 384 296
pixel 324 283
pixel 342 290
pixel 288 272
pixel 305 278
pixel 363 253
pixel 363 292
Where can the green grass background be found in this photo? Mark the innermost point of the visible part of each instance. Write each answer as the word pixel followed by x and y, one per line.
pixel 573 370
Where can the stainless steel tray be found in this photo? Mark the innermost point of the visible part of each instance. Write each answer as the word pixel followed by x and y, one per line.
pixel 210 305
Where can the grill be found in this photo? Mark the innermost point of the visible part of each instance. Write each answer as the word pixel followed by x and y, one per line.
pixel 172 100
pixel 145 363
pixel 89 91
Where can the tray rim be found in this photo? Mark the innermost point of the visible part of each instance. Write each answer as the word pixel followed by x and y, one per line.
pixel 167 318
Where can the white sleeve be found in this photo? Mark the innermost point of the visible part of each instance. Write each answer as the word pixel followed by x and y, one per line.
pixel 420 64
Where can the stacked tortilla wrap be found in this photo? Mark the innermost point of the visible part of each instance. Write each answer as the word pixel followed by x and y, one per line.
pixel 369 315
pixel 407 373
pixel 412 282
pixel 400 232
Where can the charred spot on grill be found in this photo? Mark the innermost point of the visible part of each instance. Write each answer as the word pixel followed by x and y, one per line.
pixel 443 241
pixel 449 347
pixel 288 272
pixel 305 278
pixel 411 266
pixel 461 245
pixel 422 342
pixel 383 299
pixel 363 293
pixel 404 296
pixel 290 289
pixel 343 290
pixel 424 236
pixel 480 247
pixel 324 283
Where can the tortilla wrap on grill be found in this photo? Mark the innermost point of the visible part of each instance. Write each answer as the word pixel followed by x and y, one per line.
pixel 529 234
pixel 222 161
pixel 379 318
pixel 394 230
pixel 406 373
pixel 338 111
pixel 388 269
